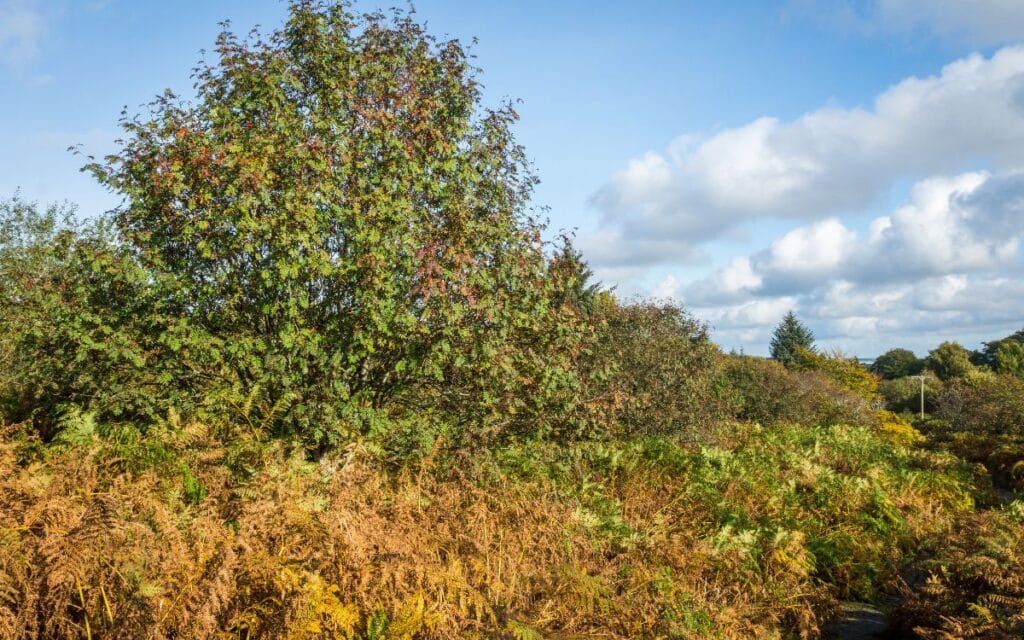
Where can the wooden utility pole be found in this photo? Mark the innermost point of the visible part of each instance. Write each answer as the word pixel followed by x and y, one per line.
pixel 922 379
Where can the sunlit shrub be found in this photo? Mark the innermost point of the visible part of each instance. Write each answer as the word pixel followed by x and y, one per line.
pixel 974 587
pixel 662 370
pixel 898 431
pixel 845 372
pixel 220 530
pixel 984 403
pixel 766 392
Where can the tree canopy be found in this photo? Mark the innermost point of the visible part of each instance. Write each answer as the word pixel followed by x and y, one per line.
pixel 1010 358
pixel 950 360
pixel 897 363
pixel 986 356
pixel 334 227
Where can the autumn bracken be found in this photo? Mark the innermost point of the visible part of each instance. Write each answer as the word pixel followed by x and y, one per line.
pixel 320 375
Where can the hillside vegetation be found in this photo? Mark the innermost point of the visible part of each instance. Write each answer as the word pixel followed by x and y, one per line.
pixel 320 376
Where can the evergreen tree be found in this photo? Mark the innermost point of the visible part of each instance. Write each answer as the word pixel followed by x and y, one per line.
pixel 789 336
pixel 574 276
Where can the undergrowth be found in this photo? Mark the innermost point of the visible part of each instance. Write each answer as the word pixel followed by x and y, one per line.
pixel 194 531
pixel 319 375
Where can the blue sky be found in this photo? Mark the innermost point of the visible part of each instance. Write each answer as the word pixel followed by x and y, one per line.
pixel 740 157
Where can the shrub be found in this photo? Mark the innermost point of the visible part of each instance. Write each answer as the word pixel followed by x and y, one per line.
pixel 903 395
pixel 764 391
pixel 1010 358
pixel 986 403
pixel 986 357
pixel 846 372
pixel 898 431
pixel 661 369
pixel 975 583
pixel 194 530
pixel 82 325
pixel 33 246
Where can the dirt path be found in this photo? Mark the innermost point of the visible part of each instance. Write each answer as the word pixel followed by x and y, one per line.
pixel 859 621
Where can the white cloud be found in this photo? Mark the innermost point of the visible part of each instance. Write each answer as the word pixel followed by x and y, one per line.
pixel 936 308
pixel 666 289
pixel 940 294
pixel 841 299
pixel 948 260
pixel 736 281
pixel 969 223
pixel 811 251
pixel 961 224
pixel 752 314
pixel 22 26
pixel 866 320
pixel 823 164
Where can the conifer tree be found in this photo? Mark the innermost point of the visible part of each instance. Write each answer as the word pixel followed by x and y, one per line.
pixel 789 336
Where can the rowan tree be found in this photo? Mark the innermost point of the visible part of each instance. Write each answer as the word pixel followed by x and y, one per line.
pixel 346 227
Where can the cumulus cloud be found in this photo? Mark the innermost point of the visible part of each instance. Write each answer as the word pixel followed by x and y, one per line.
pixel 823 164
pixel 735 281
pixel 869 319
pixel 969 223
pixel 751 314
pixel 21 28
pixel 806 254
pixel 947 259
pixel 935 308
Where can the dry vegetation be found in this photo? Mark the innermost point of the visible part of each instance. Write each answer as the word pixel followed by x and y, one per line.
pixel 199 532
pixel 974 588
pixel 320 376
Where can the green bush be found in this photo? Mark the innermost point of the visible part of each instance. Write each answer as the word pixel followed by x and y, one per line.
pixel 949 361
pixel 1010 358
pixel 336 225
pixel 661 370
pixel 903 395
pixel 986 356
pixel 82 325
pixel 985 403
pixel 846 372
pixel 764 391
